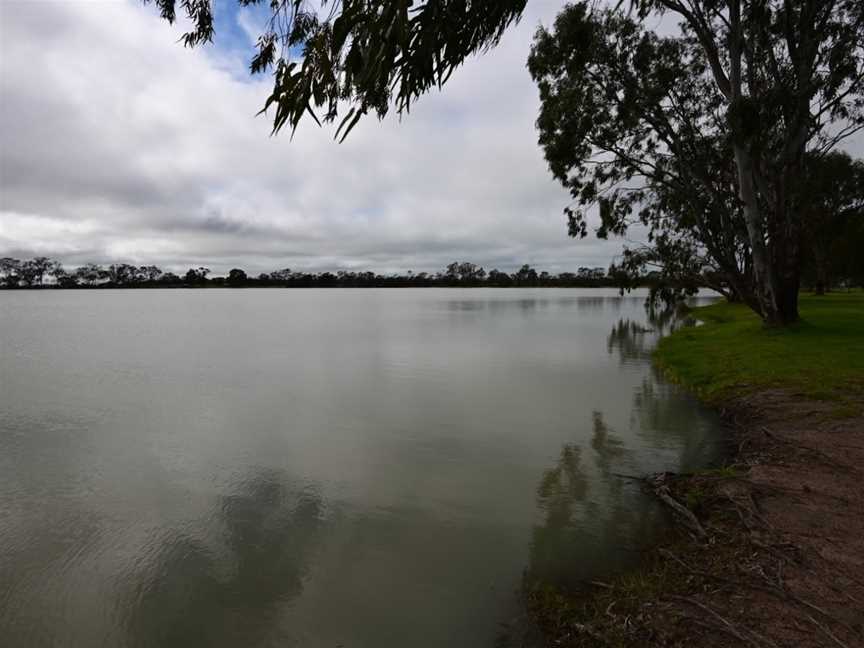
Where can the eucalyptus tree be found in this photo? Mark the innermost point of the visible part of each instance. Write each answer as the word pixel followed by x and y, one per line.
pixel 281 275
pixel 123 274
pixel 629 120
pixel 56 270
pixel 38 268
pixel 10 271
pixel 464 272
pixel 525 276
pixel 196 275
pixel 29 272
pixel 149 273
pixel 237 276
pixel 702 136
pixel 789 77
pixel 90 274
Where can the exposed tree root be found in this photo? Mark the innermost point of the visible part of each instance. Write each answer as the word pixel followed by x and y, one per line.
pixel 662 492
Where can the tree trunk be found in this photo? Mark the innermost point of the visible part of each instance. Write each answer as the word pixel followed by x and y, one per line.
pixel 773 278
pixel 787 301
pixel 821 265
pixel 819 288
pixel 789 270
pixel 763 276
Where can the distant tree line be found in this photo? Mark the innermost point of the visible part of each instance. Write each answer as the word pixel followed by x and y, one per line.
pixel 43 272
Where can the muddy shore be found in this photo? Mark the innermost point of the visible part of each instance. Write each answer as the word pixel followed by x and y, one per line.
pixel 767 551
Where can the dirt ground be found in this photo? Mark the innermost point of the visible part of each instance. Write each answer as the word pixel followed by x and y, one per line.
pixel 773 557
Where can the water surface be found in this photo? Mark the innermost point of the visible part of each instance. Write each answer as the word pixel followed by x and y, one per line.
pixel 320 468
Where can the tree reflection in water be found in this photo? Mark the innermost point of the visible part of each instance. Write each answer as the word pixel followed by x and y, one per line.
pixel 195 595
pixel 594 521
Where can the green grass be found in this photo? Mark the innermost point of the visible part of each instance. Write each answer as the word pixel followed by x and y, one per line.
pixel 732 354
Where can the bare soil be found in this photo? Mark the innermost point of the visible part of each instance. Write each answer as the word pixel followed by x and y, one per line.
pixel 772 557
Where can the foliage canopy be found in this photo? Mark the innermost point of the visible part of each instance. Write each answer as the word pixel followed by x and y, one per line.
pixel 340 60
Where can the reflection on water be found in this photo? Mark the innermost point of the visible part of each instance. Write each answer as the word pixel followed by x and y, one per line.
pixel 596 519
pixel 254 565
pixel 634 339
pixel 629 340
pixel 366 468
pixel 559 301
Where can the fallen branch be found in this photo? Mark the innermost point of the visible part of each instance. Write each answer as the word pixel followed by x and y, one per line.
pixel 662 492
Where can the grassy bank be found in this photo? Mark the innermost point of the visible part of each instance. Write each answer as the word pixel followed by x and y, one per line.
pixel 732 354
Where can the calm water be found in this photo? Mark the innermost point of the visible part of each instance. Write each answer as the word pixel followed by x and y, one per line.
pixel 357 468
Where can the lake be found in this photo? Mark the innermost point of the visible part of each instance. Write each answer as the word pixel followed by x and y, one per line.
pixel 321 468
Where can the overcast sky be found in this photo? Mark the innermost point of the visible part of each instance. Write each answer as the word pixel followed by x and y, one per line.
pixel 119 145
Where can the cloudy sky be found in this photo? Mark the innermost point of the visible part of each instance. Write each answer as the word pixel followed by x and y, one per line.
pixel 120 145
pixel 117 144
